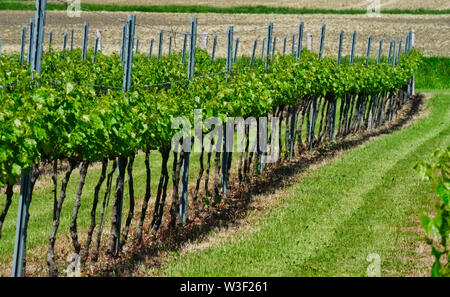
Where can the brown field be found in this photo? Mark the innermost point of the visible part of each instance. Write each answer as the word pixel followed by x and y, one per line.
pixel 323 4
pixel 432 31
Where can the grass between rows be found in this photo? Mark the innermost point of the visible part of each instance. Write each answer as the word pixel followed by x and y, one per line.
pixel 365 202
pixel 17 5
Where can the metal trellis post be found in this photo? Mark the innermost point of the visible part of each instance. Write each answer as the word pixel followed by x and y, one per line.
pixel 64 45
pixel 25 182
pixel 236 48
pixel 255 44
pixel 352 52
pixel 369 42
pixel 322 40
pixel 127 70
pixel 22 44
pixel 213 51
pixel 300 39
pixel 85 40
pixel 71 40
pixel 160 45
pixel 150 51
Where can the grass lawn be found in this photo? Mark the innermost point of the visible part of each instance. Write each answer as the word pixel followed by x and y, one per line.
pixel 365 202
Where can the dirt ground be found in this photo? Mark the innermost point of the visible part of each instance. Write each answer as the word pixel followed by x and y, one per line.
pixel 323 4
pixel 432 31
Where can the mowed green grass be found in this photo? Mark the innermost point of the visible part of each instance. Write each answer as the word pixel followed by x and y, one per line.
pixel 365 202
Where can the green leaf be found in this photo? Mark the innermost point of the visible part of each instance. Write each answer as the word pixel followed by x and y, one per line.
pixel 443 194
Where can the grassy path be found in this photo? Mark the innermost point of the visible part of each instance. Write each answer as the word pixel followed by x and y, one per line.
pixel 366 202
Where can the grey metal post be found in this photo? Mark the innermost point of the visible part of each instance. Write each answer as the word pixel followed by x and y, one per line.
pixel 127 70
pixel 186 157
pixel 380 50
pixel 312 126
pixel 293 45
pixel 50 40
pixel 274 45
pixel 183 55
pixel 170 46
pixel 292 131
pixel 399 51
pixel 269 42
pixel 229 59
pixel 224 161
pixel 390 52
pixel 38 36
pixel 25 182
pixel 161 32
pixel 30 41
pixel 97 40
pixel 71 40
pixel 138 41
pixel 236 48
pixel 123 41
pixel 300 39
pixel 333 112
pixel 192 44
pixel 21 225
pixel 64 45
pixel 98 34
pixel 284 45
pixel 22 44
pixel 341 39
pixel 150 51
pixel 255 44
pixel 322 40
pixel 128 52
pixel 184 187
pixel 372 116
pixel 85 40
pixel 263 48
pixel 394 49
pixel 413 43
pixel 406 45
pixel 213 52
pixel 369 42
pixel 352 51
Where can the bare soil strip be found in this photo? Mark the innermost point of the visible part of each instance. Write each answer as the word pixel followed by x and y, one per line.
pixel 431 30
